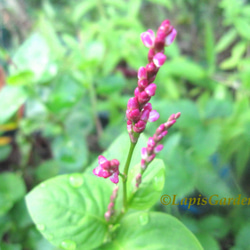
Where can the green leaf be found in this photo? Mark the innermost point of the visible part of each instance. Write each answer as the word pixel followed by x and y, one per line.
pixel 25 77
pixel 152 230
pixel 209 183
pixel 189 70
pixel 69 210
pixel 46 170
pixel 215 225
pixel 207 241
pixel 12 189
pixel 226 40
pixel 211 137
pixel 4 246
pixel 243 27
pixel 242 240
pixel 218 108
pixel 110 84
pixel 70 152
pixel 33 55
pixel 153 181
pixel 237 52
pixel 11 99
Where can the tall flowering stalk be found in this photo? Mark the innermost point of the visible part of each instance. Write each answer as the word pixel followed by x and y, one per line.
pixel 140 111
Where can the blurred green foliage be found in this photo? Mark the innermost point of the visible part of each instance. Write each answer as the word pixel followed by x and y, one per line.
pixel 75 72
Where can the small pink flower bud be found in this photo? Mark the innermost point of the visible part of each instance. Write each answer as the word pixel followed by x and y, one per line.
pixel 139 126
pixel 133 103
pixel 165 26
pixel 151 69
pixel 150 89
pixel 114 163
pixel 107 215
pixel 158 148
pixel 136 92
pixel 144 153
pixel 160 41
pixel 110 205
pixel 151 54
pixel 151 142
pixel 114 178
pixel 142 73
pixel 171 117
pixel 143 97
pixel 129 126
pixel 151 158
pixel 169 124
pixel 164 133
pixel 143 164
pixel 142 84
pixel 133 115
pixel 153 116
pixel 170 37
pixel 145 115
pixel 177 115
pixel 159 59
pixel 160 129
pixel 138 180
pixel 103 162
pixel 148 38
pixel 148 106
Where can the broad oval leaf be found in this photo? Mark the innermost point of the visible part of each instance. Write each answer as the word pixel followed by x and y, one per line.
pixel 69 210
pixel 152 230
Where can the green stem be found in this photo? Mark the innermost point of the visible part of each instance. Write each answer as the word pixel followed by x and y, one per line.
pixel 125 172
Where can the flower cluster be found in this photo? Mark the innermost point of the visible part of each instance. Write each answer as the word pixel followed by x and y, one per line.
pixel 154 146
pixel 107 169
pixel 139 110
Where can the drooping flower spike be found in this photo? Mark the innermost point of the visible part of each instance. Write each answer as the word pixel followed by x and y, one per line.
pixel 153 146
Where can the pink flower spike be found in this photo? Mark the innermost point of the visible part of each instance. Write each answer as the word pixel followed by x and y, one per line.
pixel 159 59
pixel 148 38
pixel 114 178
pixel 142 73
pixel 170 37
pixel 144 153
pixel 150 90
pixel 153 116
pixel 158 148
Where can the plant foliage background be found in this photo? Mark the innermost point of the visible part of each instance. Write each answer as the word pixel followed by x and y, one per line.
pixel 71 66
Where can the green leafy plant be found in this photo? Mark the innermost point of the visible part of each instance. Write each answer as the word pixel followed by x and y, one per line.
pixel 76 211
